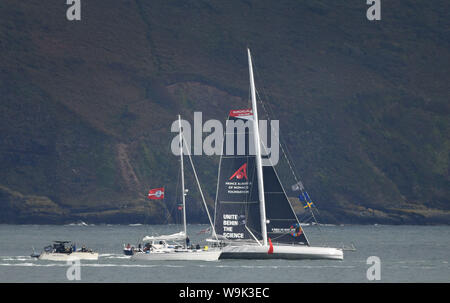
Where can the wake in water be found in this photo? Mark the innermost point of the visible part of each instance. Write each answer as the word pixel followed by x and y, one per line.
pixel 113 256
pixel 80 223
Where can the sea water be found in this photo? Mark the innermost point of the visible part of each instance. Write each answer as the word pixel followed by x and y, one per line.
pixel 406 254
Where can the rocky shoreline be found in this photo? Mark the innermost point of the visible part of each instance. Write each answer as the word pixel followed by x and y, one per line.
pixel 16 208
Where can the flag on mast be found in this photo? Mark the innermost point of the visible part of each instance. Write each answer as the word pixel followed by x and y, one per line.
pixel 304 197
pixel 156 193
pixel 308 205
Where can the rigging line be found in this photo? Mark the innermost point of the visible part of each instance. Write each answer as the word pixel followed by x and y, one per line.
pixel 200 189
pixel 289 202
pixel 280 236
pixel 254 237
pixel 288 162
pixel 270 111
pixel 166 221
pixel 280 139
pixel 286 154
pixel 218 173
pixel 306 217
pixel 253 184
pixel 252 229
pixel 281 145
pixel 291 169
pixel 310 209
pixel 217 189
pixel 169 212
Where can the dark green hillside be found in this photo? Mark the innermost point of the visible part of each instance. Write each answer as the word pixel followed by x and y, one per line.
pixel 86 106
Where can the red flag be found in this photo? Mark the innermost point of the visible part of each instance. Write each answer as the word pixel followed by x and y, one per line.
pixel 156 193
pixel 270 251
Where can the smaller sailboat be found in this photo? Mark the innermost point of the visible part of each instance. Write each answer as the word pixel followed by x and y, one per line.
pixel 62 251
pixel 176 247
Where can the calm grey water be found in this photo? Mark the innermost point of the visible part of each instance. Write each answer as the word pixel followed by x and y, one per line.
pixel 407 253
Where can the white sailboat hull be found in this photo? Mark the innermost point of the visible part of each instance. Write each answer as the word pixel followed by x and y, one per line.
pixel 291 252
pixel 67 257
pixel 198 255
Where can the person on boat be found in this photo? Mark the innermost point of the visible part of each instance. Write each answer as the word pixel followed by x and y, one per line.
pixel 187 241
pixel 147 247
pixel 83 248
pixel 128 246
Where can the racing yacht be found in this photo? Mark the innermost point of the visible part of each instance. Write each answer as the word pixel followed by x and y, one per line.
pixel 253 217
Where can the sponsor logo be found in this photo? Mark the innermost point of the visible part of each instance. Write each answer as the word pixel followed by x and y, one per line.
pixel 240 173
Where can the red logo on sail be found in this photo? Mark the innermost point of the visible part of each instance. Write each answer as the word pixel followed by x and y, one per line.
pixel 156 194
pixel 240 173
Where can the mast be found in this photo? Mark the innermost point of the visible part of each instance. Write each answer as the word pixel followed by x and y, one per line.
pixel 182 179
pixel 201 192
pixel 259 170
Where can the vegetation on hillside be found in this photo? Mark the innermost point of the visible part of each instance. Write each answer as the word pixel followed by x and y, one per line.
pixel 86 106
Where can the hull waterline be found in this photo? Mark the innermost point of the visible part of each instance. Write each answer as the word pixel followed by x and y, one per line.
pixel 67 257
pixel 281 252
pixel 212 255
